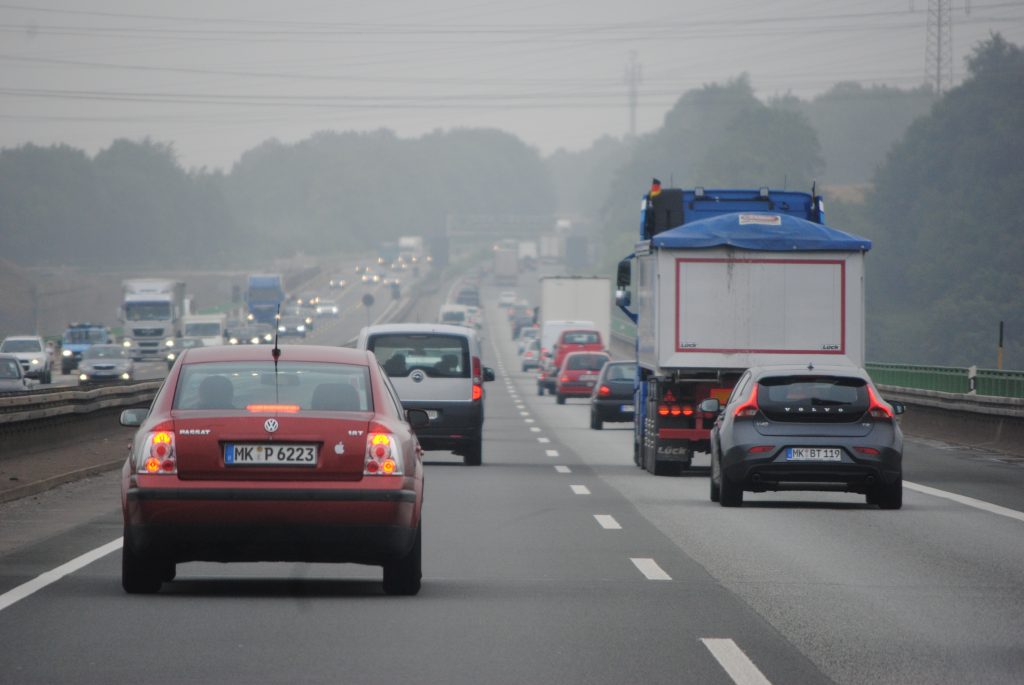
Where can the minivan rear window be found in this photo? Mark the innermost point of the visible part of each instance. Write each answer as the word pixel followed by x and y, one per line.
pixel 581 338
pixel 813 398
pixel 437 355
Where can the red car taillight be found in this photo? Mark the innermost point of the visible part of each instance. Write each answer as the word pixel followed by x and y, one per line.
pixel 156 454
pixel 604 391
pixel 748 408
pixel 478 392
pixel 383 454
pixel 564 379
pixel 877 408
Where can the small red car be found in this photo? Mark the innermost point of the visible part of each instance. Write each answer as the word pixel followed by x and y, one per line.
pixel 247 455
pixel 578 374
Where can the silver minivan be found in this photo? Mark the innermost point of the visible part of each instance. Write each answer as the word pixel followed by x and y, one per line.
pixel 436 368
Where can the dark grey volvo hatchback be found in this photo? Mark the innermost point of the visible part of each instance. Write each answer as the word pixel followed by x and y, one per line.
pixel 806 428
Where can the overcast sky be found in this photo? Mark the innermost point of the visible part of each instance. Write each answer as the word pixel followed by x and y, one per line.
pixel 216 77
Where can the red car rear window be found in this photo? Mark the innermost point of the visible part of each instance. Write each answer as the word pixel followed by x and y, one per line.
pixel 311 386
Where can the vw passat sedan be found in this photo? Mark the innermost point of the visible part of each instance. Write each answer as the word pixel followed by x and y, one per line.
pixel 244 458
pixel 806 428
pixel 612 399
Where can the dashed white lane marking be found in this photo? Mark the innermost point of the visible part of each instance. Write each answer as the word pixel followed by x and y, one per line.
pixel 524 413
pixel 528 420
pixel 739 667
pixel 563 469
pixel 607 522
pixel 544 440
pixel 650 569
pixel 551 453
pixel 967 501
pixel 534 429
pixel 53 575
pixel 580 489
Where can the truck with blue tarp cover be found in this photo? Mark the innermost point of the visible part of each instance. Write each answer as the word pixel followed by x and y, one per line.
pixel 264 297
pixel 722 280
pixel 77 338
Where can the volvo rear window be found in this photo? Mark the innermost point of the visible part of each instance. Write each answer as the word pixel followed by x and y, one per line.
pixel 437 355
pixel 813 398
pixel 294 386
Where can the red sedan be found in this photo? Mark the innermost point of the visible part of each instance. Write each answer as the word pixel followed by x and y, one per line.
pixel 242 456
pixel 578 374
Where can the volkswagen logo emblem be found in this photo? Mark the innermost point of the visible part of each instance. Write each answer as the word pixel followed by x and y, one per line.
pixel 270 425
pixel 417 376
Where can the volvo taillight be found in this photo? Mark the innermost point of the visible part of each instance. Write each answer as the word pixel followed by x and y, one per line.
pixel 748 408
pixel 878 409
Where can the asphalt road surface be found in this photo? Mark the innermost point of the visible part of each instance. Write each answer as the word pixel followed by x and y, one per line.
pixel 556 561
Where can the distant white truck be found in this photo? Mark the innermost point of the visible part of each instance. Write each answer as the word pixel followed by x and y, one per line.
pixel 577 298
pixel 152 310
pixel 211 328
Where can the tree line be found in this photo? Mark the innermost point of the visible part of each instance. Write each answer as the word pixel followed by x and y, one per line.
pixel 938 176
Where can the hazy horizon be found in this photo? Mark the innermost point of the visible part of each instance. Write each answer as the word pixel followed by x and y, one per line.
pixel 217 78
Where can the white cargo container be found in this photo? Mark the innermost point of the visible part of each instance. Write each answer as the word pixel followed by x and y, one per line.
pixel 578 298
pixel 727 309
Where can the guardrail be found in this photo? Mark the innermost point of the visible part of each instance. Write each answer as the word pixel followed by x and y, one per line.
pixel 55 402
pixel 950 379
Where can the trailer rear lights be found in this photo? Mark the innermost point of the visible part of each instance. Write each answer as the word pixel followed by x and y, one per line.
pixel 675 410
pixel 663 410
pixel 868 451
pixel 687 410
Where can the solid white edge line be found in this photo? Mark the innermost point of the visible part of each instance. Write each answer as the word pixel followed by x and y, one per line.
pixel 650 568
pixel 607 522
pixel 966 501
pixel 563 469
pixel 731 658
pixel 53 575
pixel 580 489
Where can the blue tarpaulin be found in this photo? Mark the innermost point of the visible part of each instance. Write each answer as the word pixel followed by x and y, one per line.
pixel 765 231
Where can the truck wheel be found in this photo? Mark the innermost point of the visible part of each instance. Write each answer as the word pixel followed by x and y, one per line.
pixel 890 496
pixel 715 491
pixel 595 423
pixel 403 577
pixel 540 389
pixel 669 468
pixel 472 453
pixel 560 399
pixel 66 369
pixel 48 377
pixel 730 494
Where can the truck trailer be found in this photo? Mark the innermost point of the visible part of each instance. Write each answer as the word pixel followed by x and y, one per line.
pixel 722 280
pixel 264 297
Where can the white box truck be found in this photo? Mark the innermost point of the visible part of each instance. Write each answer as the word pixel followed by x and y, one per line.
pixel 210 327
pixel 723 280
pixel 151 309
pixel 577 298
